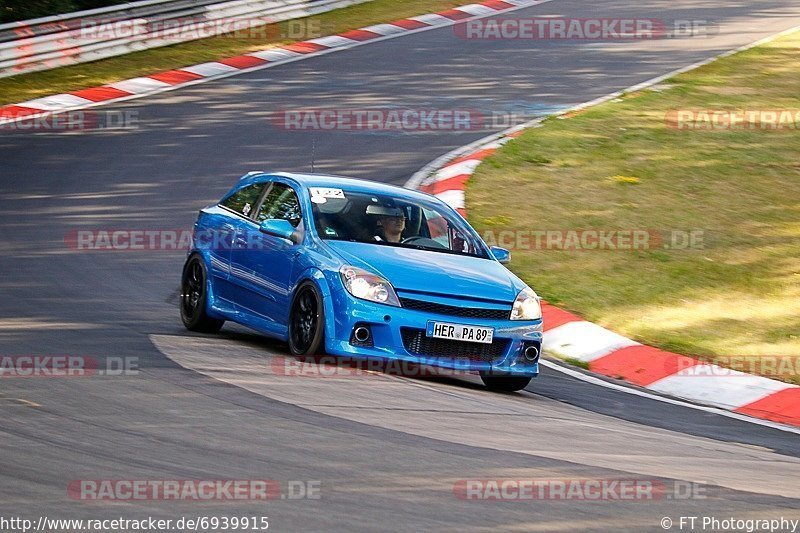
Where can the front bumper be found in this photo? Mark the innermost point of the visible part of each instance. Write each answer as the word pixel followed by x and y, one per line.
pixel 390 324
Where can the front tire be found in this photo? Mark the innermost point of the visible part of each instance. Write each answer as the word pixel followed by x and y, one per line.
pixel 194 298
pixel 307 322
pixel 505 383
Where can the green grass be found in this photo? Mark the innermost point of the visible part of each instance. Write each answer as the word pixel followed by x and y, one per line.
pixel 65 79
pixel 577 362
pixel 618 166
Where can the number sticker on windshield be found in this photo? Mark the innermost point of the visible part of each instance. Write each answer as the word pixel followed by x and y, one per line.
pixel 327 192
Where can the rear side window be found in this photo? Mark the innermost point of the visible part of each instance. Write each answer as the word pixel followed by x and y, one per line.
pixel 244 200
pixel 280 202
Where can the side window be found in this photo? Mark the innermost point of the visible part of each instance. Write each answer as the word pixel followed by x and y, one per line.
pixel 280 202
pixel 244 200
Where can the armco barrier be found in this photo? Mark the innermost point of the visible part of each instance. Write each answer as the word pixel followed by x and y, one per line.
pixel 61 40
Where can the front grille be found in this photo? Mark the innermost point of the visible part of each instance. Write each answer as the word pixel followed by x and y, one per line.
pixel 415 342
pixel 452 310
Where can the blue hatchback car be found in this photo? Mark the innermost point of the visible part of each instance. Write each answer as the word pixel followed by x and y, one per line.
pixel 357 268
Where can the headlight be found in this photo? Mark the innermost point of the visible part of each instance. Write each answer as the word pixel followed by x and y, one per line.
pixel 368 286
pixel 526 306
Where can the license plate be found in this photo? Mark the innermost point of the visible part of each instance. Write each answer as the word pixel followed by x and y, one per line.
pixel 460 332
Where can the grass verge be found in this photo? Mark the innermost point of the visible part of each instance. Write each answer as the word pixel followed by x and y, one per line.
pixel 620 166
pixel 577 362
pixel 71 78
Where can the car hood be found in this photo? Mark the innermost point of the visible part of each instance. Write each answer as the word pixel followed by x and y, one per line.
pixel 433 272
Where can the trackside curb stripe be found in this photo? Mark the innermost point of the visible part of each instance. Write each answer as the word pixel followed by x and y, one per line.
pixel 783 406
pixel 584 341
pixel 641 365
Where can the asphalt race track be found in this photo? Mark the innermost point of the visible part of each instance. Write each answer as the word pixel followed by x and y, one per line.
pixel 386 450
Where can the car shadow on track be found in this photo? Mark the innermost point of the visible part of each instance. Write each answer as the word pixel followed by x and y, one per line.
pixel 281 362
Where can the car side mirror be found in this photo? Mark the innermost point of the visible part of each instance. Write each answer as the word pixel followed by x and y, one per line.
pixel 501 254
pixel 279 227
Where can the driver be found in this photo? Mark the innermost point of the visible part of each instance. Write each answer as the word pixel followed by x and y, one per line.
pixel 392 227
pixel 391 222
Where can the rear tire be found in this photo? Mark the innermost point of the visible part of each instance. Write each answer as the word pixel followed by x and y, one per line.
pixel 307 322
pixel 194 298
pixel 505 383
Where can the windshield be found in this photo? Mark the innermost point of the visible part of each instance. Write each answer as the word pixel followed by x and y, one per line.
pixel 345 215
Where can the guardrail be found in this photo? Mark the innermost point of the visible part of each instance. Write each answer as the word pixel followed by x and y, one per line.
pixel 61 40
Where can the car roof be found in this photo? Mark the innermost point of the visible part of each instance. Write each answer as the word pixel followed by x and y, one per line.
pixel 327 180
